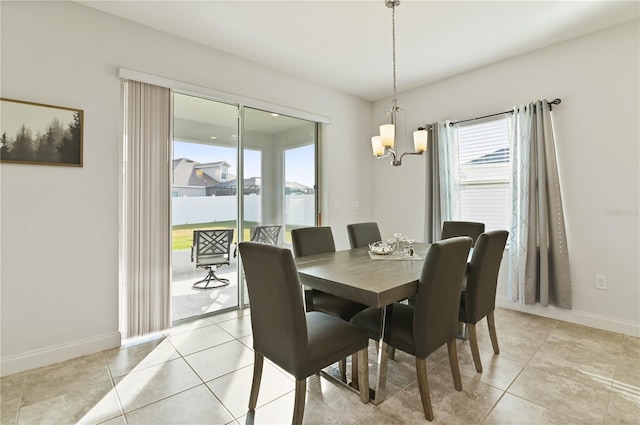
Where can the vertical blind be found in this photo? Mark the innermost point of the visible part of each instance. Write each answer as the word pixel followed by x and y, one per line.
pixel 485 173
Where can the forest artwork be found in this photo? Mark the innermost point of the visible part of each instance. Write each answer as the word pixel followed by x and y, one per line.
pixel 33 133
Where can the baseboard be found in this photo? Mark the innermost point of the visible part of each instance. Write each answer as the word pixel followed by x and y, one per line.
pixel 606 323
pixel 58 353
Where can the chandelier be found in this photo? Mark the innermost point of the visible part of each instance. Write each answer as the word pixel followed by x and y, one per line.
pixel 383 145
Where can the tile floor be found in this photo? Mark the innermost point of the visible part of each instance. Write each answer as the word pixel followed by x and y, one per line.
pixel 548 372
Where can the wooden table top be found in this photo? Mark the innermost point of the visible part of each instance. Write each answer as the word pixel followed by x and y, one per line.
pixel 353 275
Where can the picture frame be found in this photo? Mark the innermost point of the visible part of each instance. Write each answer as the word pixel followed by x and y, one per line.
pixel 40 134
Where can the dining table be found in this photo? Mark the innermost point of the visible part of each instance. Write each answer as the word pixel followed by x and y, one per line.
pixel 373 280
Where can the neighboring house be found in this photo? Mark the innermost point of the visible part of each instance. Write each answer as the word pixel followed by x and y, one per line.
pixel 190 178
pixel 252 186
pixel 230 188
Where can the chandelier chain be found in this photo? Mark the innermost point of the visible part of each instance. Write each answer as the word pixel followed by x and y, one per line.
pixel 393 49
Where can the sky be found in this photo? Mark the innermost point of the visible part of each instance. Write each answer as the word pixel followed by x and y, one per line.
pixel 299 162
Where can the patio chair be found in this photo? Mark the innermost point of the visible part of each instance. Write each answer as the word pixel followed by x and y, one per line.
pixel 212 249
pixel 266 233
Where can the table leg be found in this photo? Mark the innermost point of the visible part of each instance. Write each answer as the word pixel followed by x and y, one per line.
pixel 462 331
pixel 381 375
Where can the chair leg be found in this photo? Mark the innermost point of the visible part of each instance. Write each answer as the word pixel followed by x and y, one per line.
pixel 355 381
pixel 453 362
pixel 211 277
pixel 257 376
pixel 392 353
pixel 361 362
pixel 342 368
pixel 423 385
pixel 473 343
pixel 298 407
pixel 492 332
pixel 308 299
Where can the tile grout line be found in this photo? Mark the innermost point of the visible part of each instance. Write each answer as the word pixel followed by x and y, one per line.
pixel 113 385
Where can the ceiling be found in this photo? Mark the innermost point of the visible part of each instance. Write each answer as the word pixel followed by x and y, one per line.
pixel 346 45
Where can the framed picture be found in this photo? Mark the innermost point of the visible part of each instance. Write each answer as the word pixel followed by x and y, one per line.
pixel 33 133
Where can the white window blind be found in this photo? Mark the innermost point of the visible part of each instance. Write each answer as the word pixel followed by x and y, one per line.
pixel 485 173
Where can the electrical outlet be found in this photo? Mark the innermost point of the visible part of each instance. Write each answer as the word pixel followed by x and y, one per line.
pixel 601 282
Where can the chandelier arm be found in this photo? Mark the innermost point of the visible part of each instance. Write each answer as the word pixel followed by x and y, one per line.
pixel 394 158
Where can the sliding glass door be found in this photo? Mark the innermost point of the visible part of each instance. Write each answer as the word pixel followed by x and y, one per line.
pixel 261 194
pixel 204 204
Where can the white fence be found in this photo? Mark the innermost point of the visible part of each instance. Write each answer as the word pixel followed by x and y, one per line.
pixel 299 209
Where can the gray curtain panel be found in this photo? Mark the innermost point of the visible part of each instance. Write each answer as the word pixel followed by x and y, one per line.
pixel 538 255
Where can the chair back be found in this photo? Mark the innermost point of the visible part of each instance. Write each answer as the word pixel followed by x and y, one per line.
pixel 268 234
pixel 212 244
pixel 451 229
pixel 312 240
pixel 362 234
pixel 277 313
pixel 435 320
pixel 482 275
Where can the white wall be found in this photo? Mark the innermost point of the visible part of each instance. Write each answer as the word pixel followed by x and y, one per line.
pixel 59 241
pixel 597 130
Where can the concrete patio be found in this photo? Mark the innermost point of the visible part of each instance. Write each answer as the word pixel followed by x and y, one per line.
pixel 187 301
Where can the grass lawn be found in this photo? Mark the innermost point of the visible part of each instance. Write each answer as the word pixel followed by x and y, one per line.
pixel 182 235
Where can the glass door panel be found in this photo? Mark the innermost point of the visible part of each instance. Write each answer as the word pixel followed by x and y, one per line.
pixel 279 174
pixel 300 193
pixel 204 198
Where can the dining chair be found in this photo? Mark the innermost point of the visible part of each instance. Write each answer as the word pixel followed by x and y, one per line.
pixel 478 297
pixel 363 234
pixel 300 343
pixel 210 250
pixel 451 229
pixel 421 329
pixel 318 240
pixel 266 233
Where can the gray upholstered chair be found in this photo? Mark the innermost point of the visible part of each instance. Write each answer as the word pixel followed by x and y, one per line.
pixel 478 298
pixel 362 234
pixel 300 343
pixel 318 240
pixel 451 229
pixel 421 329
pixel 266 233
pixel 210 250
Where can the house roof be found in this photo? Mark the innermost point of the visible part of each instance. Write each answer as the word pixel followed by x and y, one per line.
pixel 212 164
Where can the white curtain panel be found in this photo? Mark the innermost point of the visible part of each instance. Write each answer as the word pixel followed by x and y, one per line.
pixel 538 255
pixel 146 268
pixel 449 173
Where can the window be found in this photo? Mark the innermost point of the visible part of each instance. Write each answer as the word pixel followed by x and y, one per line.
pixel 485 173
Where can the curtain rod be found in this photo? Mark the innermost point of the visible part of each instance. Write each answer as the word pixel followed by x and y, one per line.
pixel 556 101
